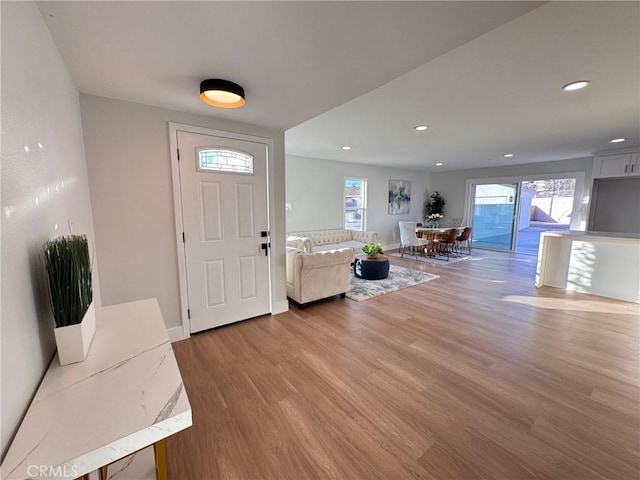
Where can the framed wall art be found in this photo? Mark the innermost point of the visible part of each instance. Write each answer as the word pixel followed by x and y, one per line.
pixel 399 197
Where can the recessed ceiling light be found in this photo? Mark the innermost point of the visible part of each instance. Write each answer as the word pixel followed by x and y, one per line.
pixel 618 140
pixel 421 127
pixel 508 155
pixel 569 87
pixel 439 164
pixel 346 147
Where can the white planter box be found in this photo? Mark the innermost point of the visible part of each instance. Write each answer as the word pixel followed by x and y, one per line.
pixel 74 341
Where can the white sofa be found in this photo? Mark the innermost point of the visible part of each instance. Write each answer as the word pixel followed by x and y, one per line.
pixel 312 276
pixel 323 240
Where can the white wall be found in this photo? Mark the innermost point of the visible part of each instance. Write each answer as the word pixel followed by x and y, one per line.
pixel 315 191
pixel 452 184
pixel 43 191
pixel 128 159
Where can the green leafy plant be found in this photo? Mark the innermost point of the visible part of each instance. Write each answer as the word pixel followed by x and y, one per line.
pixel 433 203
pixel 372 249
pixel 68 267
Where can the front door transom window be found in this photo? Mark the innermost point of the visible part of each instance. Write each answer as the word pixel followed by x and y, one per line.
pixel 218 159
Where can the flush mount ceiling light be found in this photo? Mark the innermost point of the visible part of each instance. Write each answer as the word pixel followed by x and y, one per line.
pixel 420 128
pixel 222 93
pixel 439 164
pixel 508 155
pixel 569 87
pixel 618 140
pixel 346 147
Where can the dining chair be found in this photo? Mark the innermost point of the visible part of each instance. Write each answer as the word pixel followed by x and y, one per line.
pixel 464 237
pixel 408 238
pixel 448 244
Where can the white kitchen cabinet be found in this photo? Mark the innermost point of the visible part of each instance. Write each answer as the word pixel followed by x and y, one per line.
pixel 634 165
pixel 618 165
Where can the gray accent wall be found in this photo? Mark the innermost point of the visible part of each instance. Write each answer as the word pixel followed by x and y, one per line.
pixel 616 205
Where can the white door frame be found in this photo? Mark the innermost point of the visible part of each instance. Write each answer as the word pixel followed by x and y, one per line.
pixel 580 203
pixel 174 128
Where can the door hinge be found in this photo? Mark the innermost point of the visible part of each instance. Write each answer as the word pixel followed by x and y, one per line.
pixel 178 152
pixel 183 237
pixel 188 314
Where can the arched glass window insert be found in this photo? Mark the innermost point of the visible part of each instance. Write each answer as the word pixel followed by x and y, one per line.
pixel 219 159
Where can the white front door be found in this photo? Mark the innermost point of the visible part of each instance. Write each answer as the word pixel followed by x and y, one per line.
pixel 223 184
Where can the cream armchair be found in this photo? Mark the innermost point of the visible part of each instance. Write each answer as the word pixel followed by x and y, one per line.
pixel 312 276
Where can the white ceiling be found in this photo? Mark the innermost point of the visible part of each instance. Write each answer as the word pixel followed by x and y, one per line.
pixel 485 75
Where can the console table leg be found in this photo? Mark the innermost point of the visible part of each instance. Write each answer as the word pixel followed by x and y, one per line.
pixel 161 460
pixel 103 472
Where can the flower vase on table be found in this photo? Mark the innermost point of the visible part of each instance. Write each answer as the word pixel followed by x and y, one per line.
pixel 435 219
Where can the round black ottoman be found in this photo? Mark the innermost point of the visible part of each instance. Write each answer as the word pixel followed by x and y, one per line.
pixel 371 268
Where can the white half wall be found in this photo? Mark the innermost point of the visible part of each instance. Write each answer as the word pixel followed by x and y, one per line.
pixel 453 184
pixel 128 160
pixel 315 194
pixel 45 193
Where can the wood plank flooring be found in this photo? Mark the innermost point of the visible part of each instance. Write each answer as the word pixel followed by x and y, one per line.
pixel 476 375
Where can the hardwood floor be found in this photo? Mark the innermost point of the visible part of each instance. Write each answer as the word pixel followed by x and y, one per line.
pixel 476 375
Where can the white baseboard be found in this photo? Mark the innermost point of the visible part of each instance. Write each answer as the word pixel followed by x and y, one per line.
pixel 175 334
pixel 390 246
pixel 280 307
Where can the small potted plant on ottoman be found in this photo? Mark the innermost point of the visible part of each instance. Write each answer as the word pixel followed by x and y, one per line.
pixel 372 267
pixel 372 250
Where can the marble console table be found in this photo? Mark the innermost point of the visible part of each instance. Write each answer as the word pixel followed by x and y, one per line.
pixel 127 395
pixel 606 264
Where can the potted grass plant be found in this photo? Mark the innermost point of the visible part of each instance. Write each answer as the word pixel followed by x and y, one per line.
pixel 68 269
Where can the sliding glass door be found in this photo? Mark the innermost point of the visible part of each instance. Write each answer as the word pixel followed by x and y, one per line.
pixel 545 204
pixel 494 215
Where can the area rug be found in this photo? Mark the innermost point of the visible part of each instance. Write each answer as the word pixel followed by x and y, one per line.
pixel 439 260
pixel 399 277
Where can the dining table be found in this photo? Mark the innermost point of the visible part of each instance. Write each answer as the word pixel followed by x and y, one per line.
pixel 431 234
